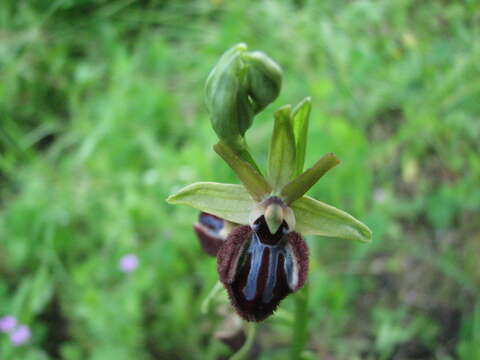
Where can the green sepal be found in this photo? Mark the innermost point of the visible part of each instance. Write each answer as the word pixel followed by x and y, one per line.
pixel 317 218
pixel 300 185
pixel 255 183
pixel 281 157
pixel 300 121
pixel 227 201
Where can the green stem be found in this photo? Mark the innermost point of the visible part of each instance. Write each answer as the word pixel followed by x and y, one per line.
pixel 214 292
pixel 245 349
pixel 300 324
pixel 239 145
pixel 245 155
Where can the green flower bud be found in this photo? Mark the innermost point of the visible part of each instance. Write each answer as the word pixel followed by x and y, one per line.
pixel 264 79
pixel 226 96
pixel 240 85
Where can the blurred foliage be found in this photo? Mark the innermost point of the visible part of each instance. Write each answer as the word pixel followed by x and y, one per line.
pixel 102 116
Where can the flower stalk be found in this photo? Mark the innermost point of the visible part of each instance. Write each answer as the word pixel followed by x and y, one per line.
pixel 244 351
pixel 300 324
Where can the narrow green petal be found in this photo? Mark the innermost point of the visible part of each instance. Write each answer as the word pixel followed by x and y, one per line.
pixel 281 157
pixel 317 218
pixel 301 184
pixel 255 183
pixel 300 121
pixel 227 201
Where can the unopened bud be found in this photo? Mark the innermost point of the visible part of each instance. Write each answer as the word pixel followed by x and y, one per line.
pixel 240 85
pixel 226 96
pixel 264 79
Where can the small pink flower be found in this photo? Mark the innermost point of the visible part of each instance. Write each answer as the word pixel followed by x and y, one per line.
pixel 20 335
pixel 128 263
pixel 7 323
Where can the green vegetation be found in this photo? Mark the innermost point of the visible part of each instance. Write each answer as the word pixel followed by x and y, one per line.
pixel 102 117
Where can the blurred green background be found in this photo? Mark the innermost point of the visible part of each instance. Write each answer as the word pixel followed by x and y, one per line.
pixel 102 116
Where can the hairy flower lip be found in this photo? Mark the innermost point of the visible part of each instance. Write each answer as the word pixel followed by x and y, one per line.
pixel 260 267
pixel 258 274
pixel 210 244
pixel 212 231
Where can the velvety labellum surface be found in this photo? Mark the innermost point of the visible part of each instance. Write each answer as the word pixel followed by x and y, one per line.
pixel 262 268
pixel 209 232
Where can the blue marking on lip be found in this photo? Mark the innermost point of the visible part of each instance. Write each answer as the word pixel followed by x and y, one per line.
pixel 256 250
pixel 212 222
pixel 288 267
pixel 275 252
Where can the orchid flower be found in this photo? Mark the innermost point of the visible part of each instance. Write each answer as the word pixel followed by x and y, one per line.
pixel 256 229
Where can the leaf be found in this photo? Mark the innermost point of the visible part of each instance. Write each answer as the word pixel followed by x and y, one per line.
pixel 317 218
pixel 41 290
pixel 281 157
pixel 300 120
pixel 301 184
pixel 227 201
pixel 255 183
